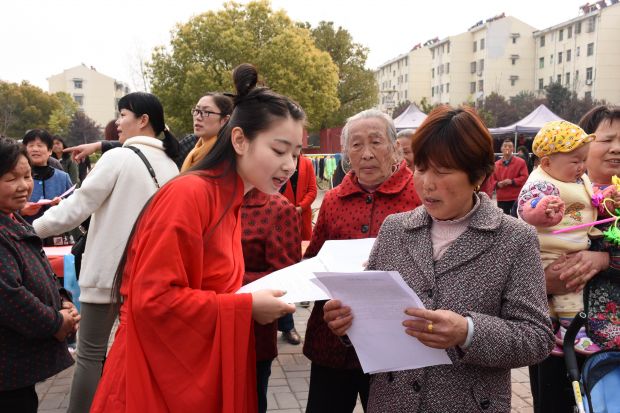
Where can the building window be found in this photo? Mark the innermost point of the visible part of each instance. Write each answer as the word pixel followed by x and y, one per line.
pixel 472 67
pixel 481 44
pixel 569 32
pixel 561 34
pixel 560 79
pixel 577 51
pixel 589 74
pixel 433 53
pixel 514 40
pixel 568 55
pixel 590 49
pixel 448 44
pixel 576 75
pixel 447 87
pixel 480 85
pixel 560 57
pixel 472 87
pixel 475 45
pixel 481 65
pixel 577 27
pixel 79 99
pixel 588 96
pixel 433 91
pixel 513 80
pixel 591 24
pixel 514 61
pixel 406 78
pixel 433 73
pixel 441 88
pixel 567 78
pixel 447 67
pixel 77 83
pixel 541 63
pixel 541 84
pixel 551 59
pixel 542 41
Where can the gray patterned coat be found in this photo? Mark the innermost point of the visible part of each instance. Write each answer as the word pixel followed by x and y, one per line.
pixel 492 273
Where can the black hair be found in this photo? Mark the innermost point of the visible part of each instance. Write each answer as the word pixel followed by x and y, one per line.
pixel 64 146
pixel 255 110
pixel 42 134
pixel 142 103
pixel 224 103
pixel 592 120
pixel 10 151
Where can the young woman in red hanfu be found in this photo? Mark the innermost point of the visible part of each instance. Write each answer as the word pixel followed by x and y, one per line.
pixel 185 341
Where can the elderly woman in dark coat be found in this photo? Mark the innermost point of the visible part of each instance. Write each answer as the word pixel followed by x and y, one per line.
pixel 477 271
pixel 378 184
pixel 34 319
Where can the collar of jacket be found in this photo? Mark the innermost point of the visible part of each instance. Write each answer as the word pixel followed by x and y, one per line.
pixel 487 218
pixel 393 185
pixel 16 230
pixel 144 140
pixel 255 198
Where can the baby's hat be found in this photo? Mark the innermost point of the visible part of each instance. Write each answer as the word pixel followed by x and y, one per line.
pixel 559 136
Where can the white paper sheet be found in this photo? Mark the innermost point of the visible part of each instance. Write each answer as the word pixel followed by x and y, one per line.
pixel 335 255
pixel 378 300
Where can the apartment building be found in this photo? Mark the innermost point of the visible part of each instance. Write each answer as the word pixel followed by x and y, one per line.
pixel 495 55
pixel 95 93
pixel 583 54
pixel 403 78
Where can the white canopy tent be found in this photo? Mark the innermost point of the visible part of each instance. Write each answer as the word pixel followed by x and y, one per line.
pixel 411 118
pixel 530 124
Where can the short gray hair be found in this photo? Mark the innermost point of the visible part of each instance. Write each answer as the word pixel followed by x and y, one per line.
pixel 369 114
pixel 405 133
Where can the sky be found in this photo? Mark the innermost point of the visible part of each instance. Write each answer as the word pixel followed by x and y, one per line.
pixel 40 38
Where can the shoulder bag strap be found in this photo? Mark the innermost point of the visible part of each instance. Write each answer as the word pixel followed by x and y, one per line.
pixel 146 163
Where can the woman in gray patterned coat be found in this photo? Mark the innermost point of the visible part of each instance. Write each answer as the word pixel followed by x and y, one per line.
pixel 477 271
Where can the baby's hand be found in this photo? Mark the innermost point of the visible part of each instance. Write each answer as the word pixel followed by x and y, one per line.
pixel 553 207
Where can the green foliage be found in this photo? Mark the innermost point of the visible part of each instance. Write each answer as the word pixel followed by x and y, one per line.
pixel 425 106
pixel 61 117
pixel 497 111
pixel 24 106
pixel 558 97
pixel 357 87
pixel 204 51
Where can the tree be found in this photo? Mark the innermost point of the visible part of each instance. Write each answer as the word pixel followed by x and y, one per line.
pixel 82 129
pixel 357 87
pixel 60 118
pixel 400 108
pixel 204 51
pixel 525 102
pixel 425 106
pixel 558 98
pixel 496 111
pixel 24 106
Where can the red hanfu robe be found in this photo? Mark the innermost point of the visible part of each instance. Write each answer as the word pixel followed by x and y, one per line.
pixel 185 342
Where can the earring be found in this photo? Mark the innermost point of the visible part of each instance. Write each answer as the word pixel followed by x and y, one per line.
pixel 477 188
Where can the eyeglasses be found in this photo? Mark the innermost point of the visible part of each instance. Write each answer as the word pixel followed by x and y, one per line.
pixel 203 113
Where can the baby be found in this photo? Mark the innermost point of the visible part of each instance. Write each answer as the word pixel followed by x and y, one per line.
pixel 557 195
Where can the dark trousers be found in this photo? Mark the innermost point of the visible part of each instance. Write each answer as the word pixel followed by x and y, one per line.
pixel 336 390
pixel 506 206
pixel 286 323
pixel 263 371
pixel 22 400
pixel 551 389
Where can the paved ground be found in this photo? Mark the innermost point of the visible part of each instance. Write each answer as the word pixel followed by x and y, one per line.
pixel 290 375
pixel 288 386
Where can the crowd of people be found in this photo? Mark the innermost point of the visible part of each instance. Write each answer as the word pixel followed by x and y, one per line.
pixel 178 226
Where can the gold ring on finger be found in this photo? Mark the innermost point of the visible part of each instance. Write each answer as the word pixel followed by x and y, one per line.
pixel 429 327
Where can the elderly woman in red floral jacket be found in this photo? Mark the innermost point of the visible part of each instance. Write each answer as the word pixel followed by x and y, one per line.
pixel 271 241
pixel 379 184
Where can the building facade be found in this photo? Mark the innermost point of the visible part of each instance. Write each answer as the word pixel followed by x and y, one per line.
pixel 506 56
pixel 582 54
pixel 492 56
pixel 95 93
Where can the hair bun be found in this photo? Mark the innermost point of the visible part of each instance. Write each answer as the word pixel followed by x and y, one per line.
pixel 245 78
